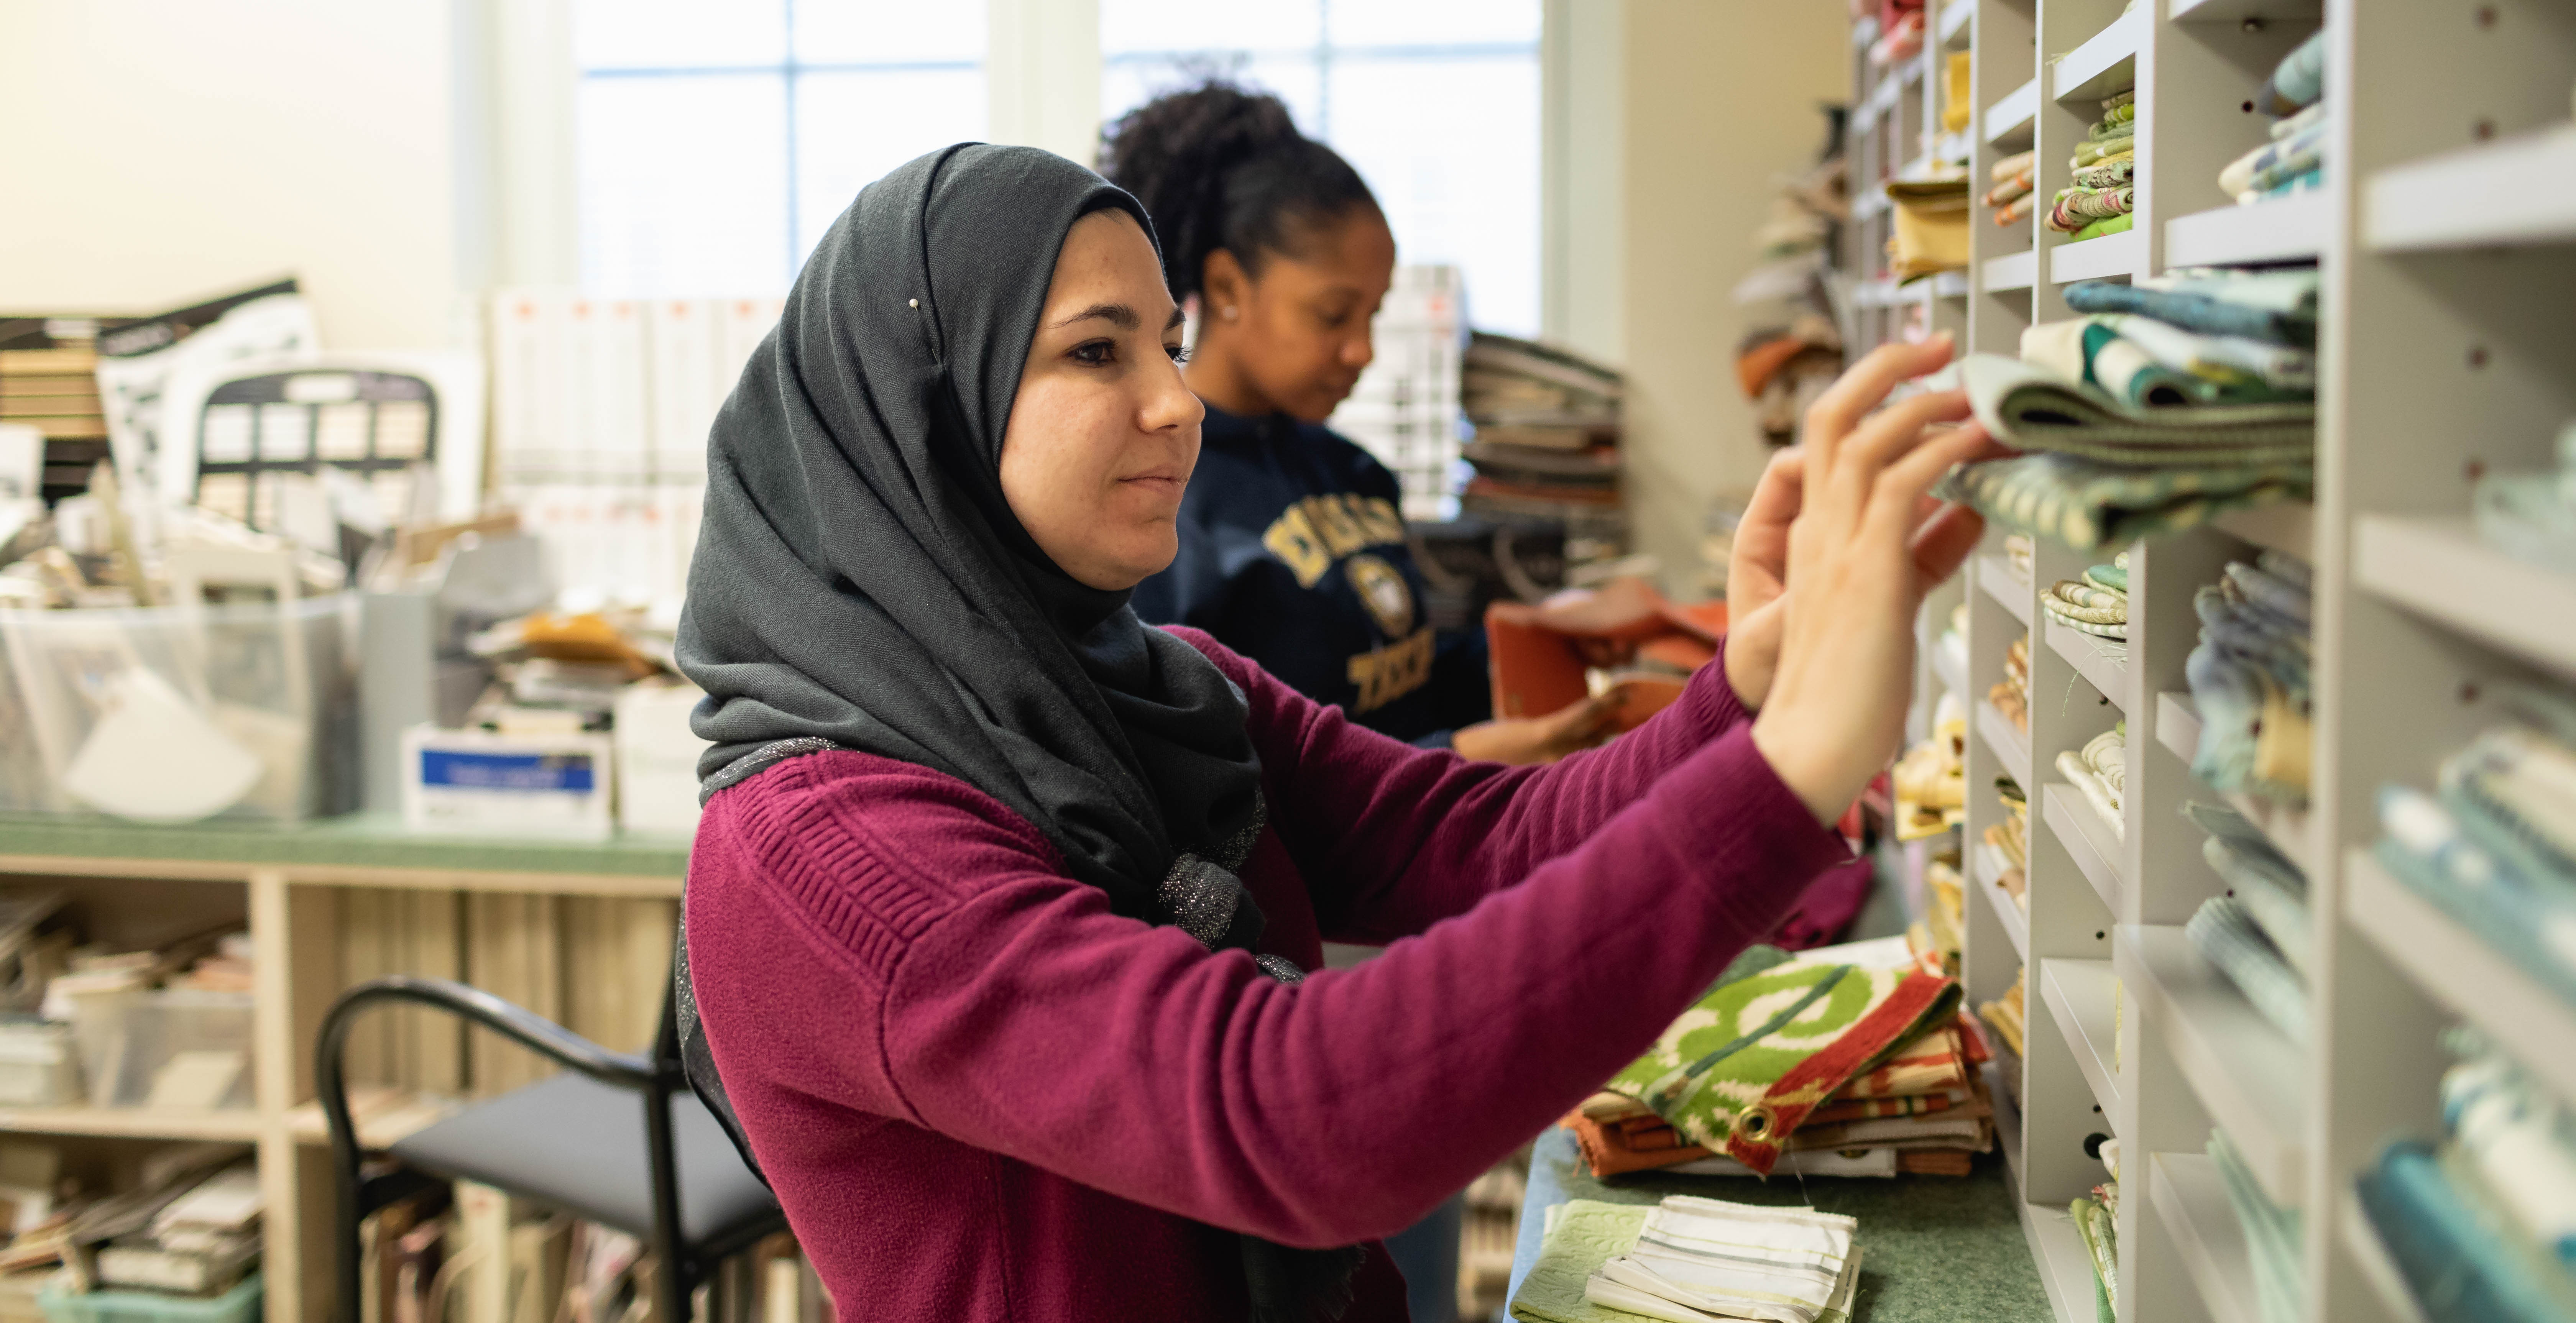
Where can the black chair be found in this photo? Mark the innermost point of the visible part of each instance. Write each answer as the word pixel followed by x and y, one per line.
pixel 618 1139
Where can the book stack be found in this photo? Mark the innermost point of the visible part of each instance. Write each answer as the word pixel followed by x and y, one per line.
pixel 49 381
pixel 201 1243
pixel 1547 440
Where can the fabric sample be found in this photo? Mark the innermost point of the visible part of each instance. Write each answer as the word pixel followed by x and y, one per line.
pixel 2459 1271
pixel 2276 160
pixel 2197 312
pixel 1742 1069
pixel 2517 1139
pixel 2532 921
pixel 2228 360
pixel 1723 1260
pixel 1581 1236
pixel 2226 937
pixel 2089 505
pixel 2030 408
pixel 2273 1236
pixel 2298 81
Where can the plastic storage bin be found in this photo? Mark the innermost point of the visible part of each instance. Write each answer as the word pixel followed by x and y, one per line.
pixel 238 1305
pixel 38 1064
pixel 168 714
pixel 176 1049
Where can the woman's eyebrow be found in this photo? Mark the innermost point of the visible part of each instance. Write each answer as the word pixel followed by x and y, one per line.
pixel 1116 314
pixel 1178 317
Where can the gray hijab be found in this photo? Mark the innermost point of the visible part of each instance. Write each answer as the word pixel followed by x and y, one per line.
pixel 860 583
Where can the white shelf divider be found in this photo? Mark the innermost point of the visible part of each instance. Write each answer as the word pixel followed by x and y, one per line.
pixel 1988 864
pixel 2250 1078
pixel 2065 1269
pixel 2088 838
pixel 2287 229
pixel 2440 569
pixel 2079 994
pixel 2119 254
pixel 2105 63
pixel 2006 740
pixel 1995 574
pixel 1957 19
pixel 1950 285
pixel 2289 527
pixel 2012 114
pixel 2104 663
pixel 2237 11
pixel 2462 971
pixel 2012 271
pixel 2187 1192
pixel 2521 190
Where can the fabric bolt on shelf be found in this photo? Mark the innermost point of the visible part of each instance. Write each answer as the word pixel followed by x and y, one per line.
pixel 2227 937
pixel 1740 1070
pixel 2533 924
pixel 2109 172
pixel 2228 360
pixel 2030 408
pixel 2459 1270
pixel 1718 1260
pixel 2298 81
pixel 2194 310
pixel 2273 1235
pixel 2105 226
pixel 2518 1141
pixel 2088 505
pixel 2302 150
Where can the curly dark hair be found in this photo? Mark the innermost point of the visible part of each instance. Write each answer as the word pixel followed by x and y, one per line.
pixel 1220 166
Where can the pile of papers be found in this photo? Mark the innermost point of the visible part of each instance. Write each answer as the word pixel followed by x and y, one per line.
pixel 1691 1260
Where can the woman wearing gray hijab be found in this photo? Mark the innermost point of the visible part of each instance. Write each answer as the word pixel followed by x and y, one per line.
pixel 1003 912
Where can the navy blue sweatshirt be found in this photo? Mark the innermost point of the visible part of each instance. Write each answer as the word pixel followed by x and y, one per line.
pixel 1293 553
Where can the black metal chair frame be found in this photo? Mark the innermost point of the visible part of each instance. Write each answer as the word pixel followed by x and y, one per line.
pixel 656 1078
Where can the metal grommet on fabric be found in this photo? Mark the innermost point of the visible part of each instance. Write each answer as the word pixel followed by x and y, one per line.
pixel 1756 1122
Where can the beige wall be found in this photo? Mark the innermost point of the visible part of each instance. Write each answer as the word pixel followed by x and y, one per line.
pixel 165 149
pixel 1716 98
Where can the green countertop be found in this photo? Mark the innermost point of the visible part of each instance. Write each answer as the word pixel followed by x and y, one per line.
pixel 1933 1249
pixel 357 841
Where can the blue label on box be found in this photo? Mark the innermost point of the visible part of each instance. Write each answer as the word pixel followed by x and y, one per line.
pixel 568 773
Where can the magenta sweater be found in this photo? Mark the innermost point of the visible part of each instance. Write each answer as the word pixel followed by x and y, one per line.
pixel 981 1095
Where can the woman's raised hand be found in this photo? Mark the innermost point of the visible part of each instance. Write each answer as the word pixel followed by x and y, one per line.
pixel 1757 573
pixel 1866 545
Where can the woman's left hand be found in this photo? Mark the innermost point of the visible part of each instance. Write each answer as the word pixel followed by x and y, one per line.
pixel 1757 574
pixel 1521 741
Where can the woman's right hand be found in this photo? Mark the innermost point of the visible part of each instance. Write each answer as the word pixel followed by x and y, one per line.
pixel 1866 545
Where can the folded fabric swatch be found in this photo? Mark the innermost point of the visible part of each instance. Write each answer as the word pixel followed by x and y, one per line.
pixel 2459 1270
pixel 2019 209
pixel 2030 408
pixel 2005 1013
pixel 2019 163
pixel 1581 1235
pixel 2099 228
pixel 2298 81
pixel 2111 578
pixel 2272 890
pixel 2196 311
pixel 2089 505
pixel 2088 782
pixel 2076 207
pixel 1740 1070
pixel 2230 361
pixel 2095 1226
pixel 2226 937
pixel 2306 181
pixel 1863 1163
pixel 2301 150
pixel 2517 1139
pixel 2530 919
pixel 2109 172
pixel 2514 788
pixel 2090 351
pixel 2273 1235
pixel 1719 1260
pixel 2299 122
pixel 2091 150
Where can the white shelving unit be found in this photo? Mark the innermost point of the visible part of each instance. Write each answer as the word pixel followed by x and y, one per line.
pixel 2445 235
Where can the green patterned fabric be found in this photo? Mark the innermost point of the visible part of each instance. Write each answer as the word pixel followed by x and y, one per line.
pixel 2030 408
pixel 1738 1071
pixel 2091 506
pixel 1581 1236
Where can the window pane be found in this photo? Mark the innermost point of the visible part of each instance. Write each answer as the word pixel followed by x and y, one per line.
pixel 683 185
pixel 1197 25
pixel 678 34
pixel 889 32
pixel 1450 146
pixel 1435 23
pixel 1132 81
pixel 851 128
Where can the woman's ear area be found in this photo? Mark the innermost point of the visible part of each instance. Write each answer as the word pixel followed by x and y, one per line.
pixel 1224 287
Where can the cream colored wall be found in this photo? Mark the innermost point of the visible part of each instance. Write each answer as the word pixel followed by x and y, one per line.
pixel 162 150
pixel 1716 97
